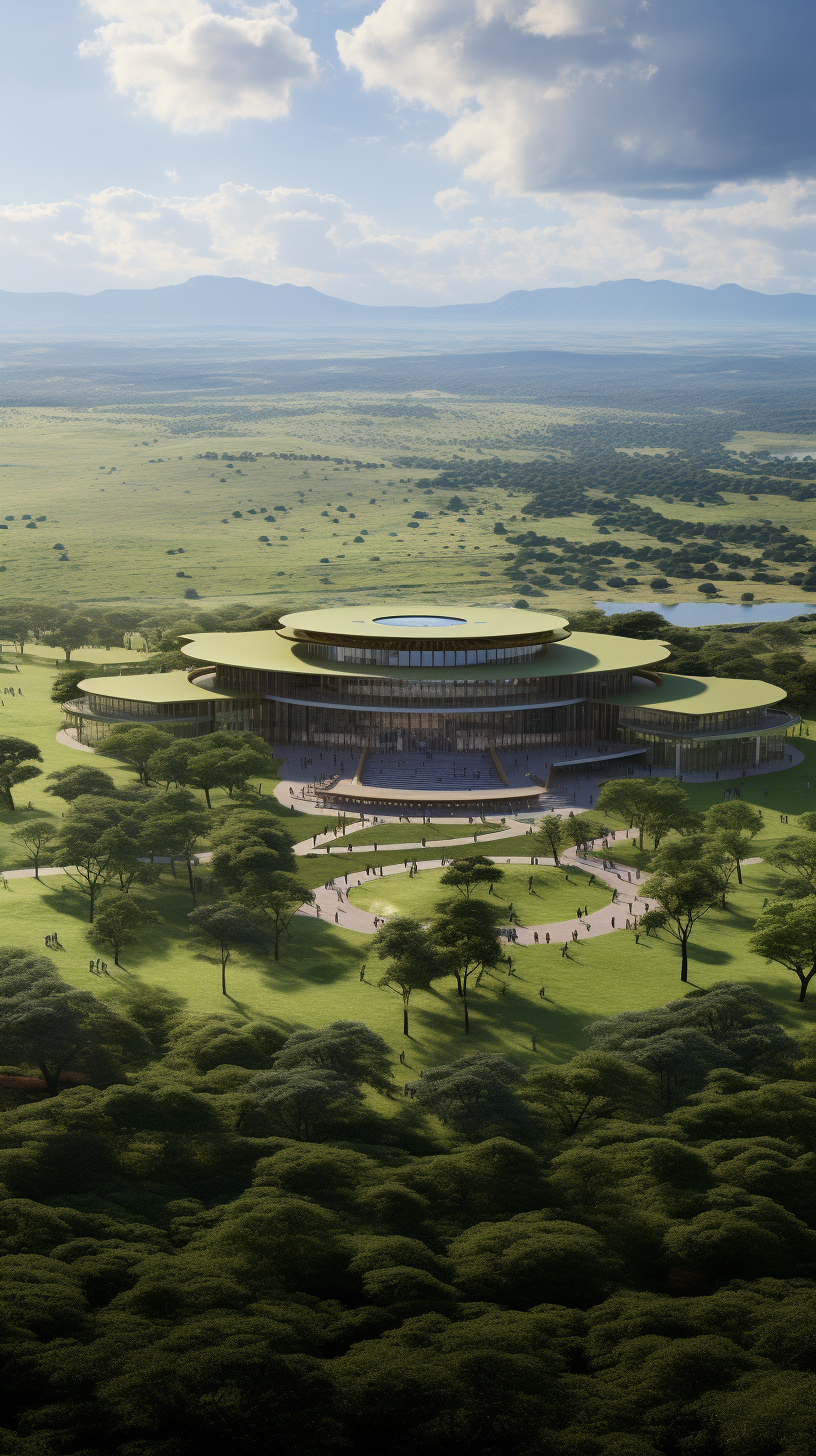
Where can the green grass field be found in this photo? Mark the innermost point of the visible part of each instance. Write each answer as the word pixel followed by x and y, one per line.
pixel 556 894
pixel 121 492
pixel 413 833
pixel 317 978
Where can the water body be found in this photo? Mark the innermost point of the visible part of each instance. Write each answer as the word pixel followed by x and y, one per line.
pixel 712 614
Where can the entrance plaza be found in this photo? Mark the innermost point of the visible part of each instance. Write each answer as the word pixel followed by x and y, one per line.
pixel 411 711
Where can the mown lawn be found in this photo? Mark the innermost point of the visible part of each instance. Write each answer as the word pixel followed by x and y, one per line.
pixel 556 894
pixel 317 979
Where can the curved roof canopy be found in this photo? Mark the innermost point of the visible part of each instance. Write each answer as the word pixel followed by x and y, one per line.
pixel 701 695
pixel 153 687
pixel 397 624
pixel 584 652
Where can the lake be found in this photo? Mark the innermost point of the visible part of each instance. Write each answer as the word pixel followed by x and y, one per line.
pixel 712 614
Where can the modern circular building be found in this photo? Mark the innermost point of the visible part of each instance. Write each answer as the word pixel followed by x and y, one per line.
pixel 394 680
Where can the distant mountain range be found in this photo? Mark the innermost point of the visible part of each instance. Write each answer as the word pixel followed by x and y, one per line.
pixel 213 302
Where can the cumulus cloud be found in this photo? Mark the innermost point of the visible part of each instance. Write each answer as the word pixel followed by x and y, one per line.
pixel 198 69
pixel 634 97
pixel 451 199
pixel 761 237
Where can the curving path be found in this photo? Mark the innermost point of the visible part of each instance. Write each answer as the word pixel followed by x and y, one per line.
pixel 332 903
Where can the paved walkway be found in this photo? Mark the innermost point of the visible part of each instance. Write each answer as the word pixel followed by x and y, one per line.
pixel 67 737
pixel 333 905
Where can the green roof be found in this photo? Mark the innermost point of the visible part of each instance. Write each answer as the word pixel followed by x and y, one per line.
pixel 583 652
pixel 385 620
pixel 700 695
pixel 152 687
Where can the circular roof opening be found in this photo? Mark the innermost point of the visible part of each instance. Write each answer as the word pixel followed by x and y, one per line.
pixel 420 621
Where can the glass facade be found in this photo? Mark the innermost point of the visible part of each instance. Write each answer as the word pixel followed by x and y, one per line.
pixel 94 717
pixel 401 694
pixel 506 707
pixel 425 656
pixel 661 721
pixel 573 723
pixel 707 755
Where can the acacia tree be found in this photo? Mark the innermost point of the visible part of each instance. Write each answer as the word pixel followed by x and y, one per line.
pixel 51 1025
pixel 83 852
pixel 465 934
pixel 786 933
pixel 15 627
pixel 684 898
pixel 16 766
pixel 349 1048
pixel 227 924
pixel 628 799
pixel 652 806
pixel 592 1086
pixel 475 1095
pixel 70 634
pixel 413 959
pixel 118 924
pixel 735 824
pixel 204 772
pixel 36 836
pixel 236 768
pixel 280 900
pixel 175 828
pixel 581 829
pixel 465 875
pixel 797 856
pixel 302 1102
pixel 550 836
pixel 171 764
pixel 81 778
pixel 134 744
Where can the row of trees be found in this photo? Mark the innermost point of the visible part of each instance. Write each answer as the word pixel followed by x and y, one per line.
pixel 223 759
pixel 69 626
pixel 109 839
pixel 691 873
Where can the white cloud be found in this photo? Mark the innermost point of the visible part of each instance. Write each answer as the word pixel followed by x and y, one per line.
pixel 623 96
pixel 761 237
pixel 451 199
pixel 198 69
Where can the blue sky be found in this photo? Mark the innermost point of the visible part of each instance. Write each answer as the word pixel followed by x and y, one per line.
pixel 415 151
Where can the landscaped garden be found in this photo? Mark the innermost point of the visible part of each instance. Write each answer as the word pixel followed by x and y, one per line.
pixel 317 975
pixel 524 896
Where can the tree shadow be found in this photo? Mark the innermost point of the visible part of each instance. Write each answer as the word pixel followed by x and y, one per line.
pixel 708 956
